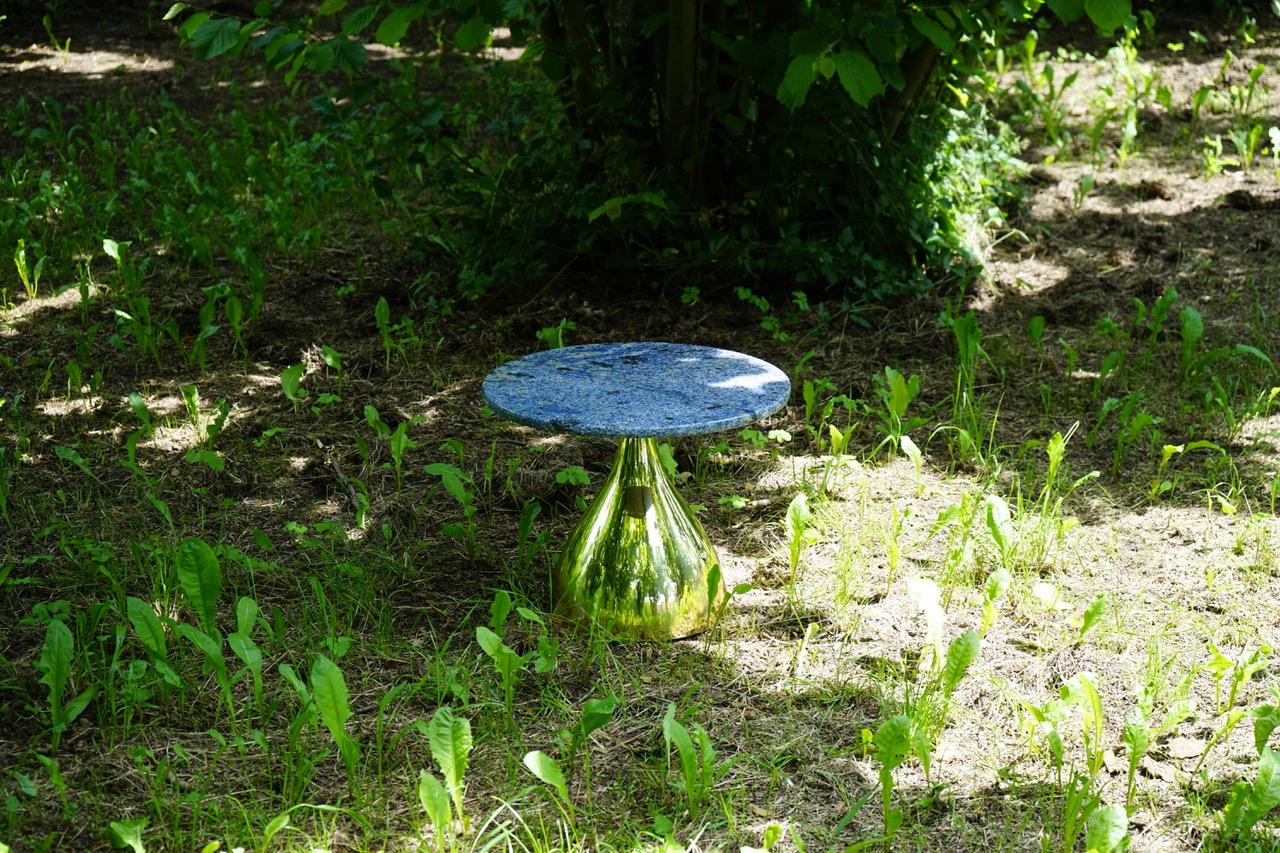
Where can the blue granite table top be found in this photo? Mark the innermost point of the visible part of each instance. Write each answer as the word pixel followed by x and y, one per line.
pixel 636 389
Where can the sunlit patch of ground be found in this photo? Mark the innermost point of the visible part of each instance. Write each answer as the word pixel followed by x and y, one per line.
pixel 94 64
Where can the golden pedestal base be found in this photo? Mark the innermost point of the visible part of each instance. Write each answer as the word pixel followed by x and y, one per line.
pixel 639 564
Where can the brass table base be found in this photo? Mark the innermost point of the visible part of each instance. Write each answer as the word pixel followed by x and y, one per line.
pixel 639 565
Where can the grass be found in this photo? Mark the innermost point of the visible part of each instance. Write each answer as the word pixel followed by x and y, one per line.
pixel 274 579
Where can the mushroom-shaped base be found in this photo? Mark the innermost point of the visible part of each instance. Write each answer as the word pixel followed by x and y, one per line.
pixel 639 565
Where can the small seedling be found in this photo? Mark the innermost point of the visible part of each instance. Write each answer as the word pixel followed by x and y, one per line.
pixel 329 693
pixel 55 660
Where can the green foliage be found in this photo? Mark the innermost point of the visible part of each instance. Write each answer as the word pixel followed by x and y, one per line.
pixel 329 692
pixel 55 661
pixel 852 118
pixel 201 579
pixel 1250 802
pixel 697 757
pixel 449 738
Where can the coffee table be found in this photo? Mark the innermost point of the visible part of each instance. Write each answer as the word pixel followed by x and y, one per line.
pixel 638 565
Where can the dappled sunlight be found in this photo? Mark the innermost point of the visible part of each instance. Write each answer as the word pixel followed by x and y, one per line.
pixel 56 407
pixel 12 318
pixel 93 64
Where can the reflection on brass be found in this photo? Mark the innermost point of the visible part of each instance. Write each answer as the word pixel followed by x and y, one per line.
pixel 639 563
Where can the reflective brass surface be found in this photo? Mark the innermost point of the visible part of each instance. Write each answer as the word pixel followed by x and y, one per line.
pixel 639 565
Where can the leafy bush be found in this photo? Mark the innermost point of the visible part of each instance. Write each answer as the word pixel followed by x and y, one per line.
pixel 832 142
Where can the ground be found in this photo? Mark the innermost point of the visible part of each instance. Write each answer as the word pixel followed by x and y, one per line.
pixel 1157 578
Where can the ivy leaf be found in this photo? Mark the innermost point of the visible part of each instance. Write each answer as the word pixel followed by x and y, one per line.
pixel 1108 14
pixel 216 37
pixel 934 32
pixel 471 35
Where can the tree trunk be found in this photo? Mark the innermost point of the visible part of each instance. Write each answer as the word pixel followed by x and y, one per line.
pixel 917 68
pixel 679 106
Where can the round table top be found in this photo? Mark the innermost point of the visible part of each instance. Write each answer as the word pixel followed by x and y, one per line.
pixel 643 390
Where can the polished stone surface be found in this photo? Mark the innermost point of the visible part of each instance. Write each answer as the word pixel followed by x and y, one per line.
pixel 636 389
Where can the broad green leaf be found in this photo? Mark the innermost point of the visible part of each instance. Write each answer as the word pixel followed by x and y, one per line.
pixel 1108 14
pixel 893 741
pixel 55 662
pixel 128 833
pixel 331 7
pixel 450 740
pixel 70 455
pixel 211 647
pixel 356 21
pixel 675 734
pixel 348 54
pixel 490 642
pixel 798 515
pixel 174 11
pixel 547 769
pixel 201 580
pixel 1266 719
pixel 290 381
pixel 1264 795
pixel 934 32
pixel 329 692
pixel 435 801
pixel 1106 829
pixel 912 451
pixel 77 705
pixel 246 615
pixel 147 626
pixel 216 37
pixel 189 26
pixel 247 650
pixel 961 654
pixel 1093 614
pixel 139 407
pixel 797 80
pixel 273 827
pixel 858 76
pixel 1245 349
pixel 331 357
pixel 1080 689
pixel 395 25
pixel 499 609
pixel 472 34
pixel 1192 326
pixel 1069 11
pixel 596 713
